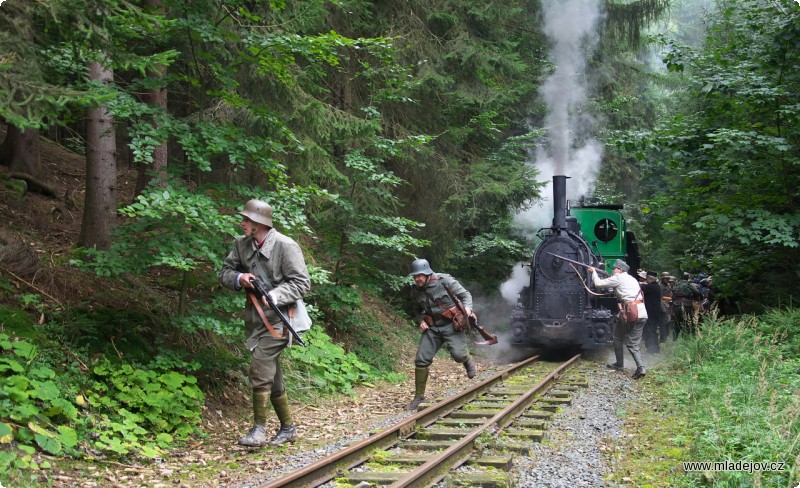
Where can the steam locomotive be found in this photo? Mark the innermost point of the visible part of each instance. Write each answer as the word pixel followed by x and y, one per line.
pixel 560 308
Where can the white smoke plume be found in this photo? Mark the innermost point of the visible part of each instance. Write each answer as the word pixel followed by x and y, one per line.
pixel 571 26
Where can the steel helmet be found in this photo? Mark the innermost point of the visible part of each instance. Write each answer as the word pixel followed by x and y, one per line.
pixel 258 211
pixel 420 266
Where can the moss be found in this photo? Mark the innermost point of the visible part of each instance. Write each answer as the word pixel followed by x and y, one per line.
pixel 17 322
pixel 656 440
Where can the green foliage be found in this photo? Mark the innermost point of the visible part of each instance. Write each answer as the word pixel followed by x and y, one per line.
pixel 325 366
pixel 33 412
pixel 217 315
pixel 103 330
pixel 175 228
pixel 118 408
pixel 732 153
pixel 183 230
pixel 16 321
pixel 750 415
pixel 361 329
pixel 44 47
pixel 137 401
pixel 362 232
pixel 488 257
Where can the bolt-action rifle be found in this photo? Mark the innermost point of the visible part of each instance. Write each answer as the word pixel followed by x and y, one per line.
pixel 601 272
pixel 262 292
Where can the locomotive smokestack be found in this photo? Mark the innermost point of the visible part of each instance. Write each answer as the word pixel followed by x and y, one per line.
pixel 560 202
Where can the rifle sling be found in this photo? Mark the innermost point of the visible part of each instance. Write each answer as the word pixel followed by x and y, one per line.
pixel 455 300
pixel 260 311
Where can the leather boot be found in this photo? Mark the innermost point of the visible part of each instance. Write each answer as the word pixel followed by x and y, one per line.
pixel 415 403
pixel 620 358
pixel 420 383
pixel 258 433
pixel 469 365
pixel 640 371
pixel 255 438
pixel 286 434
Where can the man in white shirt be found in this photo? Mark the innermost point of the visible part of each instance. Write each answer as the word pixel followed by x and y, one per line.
pixel 627 289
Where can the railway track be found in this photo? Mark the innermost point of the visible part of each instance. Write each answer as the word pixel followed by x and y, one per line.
pixel 479 428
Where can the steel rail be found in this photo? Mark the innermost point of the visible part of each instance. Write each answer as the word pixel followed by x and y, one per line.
pixel 441 464
pixel 331 466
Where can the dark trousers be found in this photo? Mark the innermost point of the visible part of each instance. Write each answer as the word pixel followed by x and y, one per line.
pixel 651 333
pixel 663 329
pixel 265 366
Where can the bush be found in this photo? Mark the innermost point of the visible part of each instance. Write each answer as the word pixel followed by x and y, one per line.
pixel 145 401
pixel 325 367
pixel 124 409
pixel 740 395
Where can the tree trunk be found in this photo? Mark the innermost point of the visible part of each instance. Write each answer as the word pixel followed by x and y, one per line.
pixel 156 98
pixel 100 205
pixel 21 151
pixel 183 302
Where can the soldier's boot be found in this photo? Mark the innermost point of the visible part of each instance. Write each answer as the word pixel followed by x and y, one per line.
pixel 284 435
pixel 255 438
pixel 287 432
pixel 469 365
pixel 618 365
pixel 420 382
pixel 258 434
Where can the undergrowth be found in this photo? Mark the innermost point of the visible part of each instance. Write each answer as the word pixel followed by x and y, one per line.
pixel 96 383
pixel 731 393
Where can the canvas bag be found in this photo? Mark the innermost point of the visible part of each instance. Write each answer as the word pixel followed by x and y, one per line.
pixel 299 318
pixel 629 311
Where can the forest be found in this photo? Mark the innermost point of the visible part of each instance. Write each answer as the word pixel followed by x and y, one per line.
pixel 133 132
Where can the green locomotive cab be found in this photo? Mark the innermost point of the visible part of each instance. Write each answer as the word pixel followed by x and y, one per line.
pixel 604 229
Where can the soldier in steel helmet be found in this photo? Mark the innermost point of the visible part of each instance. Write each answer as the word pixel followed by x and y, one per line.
pixel 263 252
pixel 433 295
pixel 627 289
pixel 684 292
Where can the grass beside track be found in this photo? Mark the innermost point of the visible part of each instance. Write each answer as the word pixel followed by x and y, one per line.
pixel 731 393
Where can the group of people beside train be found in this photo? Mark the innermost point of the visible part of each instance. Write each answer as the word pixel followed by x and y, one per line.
pixel 672 304
pixel 650 307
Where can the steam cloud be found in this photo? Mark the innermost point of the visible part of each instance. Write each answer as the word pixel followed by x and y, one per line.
pixel 571 26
